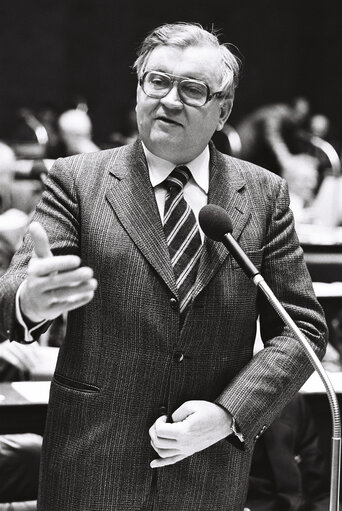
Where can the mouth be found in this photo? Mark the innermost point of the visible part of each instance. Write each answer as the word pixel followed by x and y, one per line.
pixel 168 121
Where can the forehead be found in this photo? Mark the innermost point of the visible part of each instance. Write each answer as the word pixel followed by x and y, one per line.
pixel 199 62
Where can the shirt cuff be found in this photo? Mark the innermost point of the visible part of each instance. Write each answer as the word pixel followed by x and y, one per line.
pixel 236 430
pixel 27 331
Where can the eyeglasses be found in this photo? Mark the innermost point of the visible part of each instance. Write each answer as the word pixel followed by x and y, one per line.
pixel 191 92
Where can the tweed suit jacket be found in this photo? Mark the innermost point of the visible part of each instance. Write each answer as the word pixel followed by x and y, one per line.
pixel 119 367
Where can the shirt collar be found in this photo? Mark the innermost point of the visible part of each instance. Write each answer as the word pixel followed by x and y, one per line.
pixel 159 169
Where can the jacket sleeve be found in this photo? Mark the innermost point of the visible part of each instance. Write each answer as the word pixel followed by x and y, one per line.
pixel 273 376
pixel 57 211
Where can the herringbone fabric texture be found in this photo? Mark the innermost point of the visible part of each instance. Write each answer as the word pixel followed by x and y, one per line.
pixel 182 235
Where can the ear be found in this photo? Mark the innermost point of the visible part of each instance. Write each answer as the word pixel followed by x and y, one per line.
pixel 226 107
pixel 137 93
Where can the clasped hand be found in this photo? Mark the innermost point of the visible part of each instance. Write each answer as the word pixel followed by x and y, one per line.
pixel 196 425
pixel 54 284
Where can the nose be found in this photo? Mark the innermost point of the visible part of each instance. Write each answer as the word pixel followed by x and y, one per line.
pixel 172 99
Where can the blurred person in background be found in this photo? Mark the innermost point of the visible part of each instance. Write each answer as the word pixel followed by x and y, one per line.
pixel 269 138
pixel 289 470
pixel 75 129
pixel 7 161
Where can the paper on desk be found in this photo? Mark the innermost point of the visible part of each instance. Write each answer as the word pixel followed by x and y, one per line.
pixel 44 367
pixel 34 391
pixel 328 289
pixel 314 384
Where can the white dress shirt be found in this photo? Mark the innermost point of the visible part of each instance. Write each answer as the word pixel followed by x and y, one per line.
pixel 195 190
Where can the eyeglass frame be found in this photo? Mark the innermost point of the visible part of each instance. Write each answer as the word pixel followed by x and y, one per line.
pixel 178 80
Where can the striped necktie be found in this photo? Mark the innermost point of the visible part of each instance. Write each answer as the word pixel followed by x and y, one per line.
pixel 182 235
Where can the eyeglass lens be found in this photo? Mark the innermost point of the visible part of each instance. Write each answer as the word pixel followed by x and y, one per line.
pixel 191 92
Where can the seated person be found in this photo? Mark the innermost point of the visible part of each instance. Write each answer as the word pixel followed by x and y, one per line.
pixel 75 130
pixel 19 469
pixel 269 137
pixel 289 471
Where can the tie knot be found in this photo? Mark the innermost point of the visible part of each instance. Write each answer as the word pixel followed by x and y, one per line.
pixel 178 177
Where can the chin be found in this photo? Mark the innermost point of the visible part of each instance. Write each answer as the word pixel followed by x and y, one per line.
pixel 165 148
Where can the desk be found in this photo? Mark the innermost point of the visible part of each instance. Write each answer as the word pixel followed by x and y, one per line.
pixel 23 407
pixel 24 404
pixel 314 384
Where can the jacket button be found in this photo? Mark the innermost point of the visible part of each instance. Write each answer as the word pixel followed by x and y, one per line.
pixel 263 429
pixel 178 356
pixel 174 304
pixel 162 410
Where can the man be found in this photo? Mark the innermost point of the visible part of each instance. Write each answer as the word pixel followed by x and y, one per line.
pixel 156 401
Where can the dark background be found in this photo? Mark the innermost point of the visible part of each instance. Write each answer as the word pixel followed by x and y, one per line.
pixel 53 52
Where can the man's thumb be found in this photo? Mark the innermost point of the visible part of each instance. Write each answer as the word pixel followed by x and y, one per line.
pixel 40 240
pixel 182 412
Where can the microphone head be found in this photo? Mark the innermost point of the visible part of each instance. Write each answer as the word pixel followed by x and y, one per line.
pixel 214 222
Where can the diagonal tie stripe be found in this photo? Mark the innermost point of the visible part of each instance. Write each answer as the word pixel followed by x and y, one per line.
pixel 182 235
pixel 179 224
pixel 183 246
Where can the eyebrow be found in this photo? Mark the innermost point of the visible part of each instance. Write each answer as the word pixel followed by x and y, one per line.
pixel 186 77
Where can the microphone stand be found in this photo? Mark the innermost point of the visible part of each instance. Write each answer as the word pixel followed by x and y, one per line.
pixel 334 406
pixel 253 273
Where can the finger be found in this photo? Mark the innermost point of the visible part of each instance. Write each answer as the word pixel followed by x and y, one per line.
pixel 55 309
pixel 152 430
pixel 40 240
pixel 163 462
pixel 28 355
pixel 21 356
pixel 13 360
pixel 165 429
pixel 69 293
pixel 71 278
pixel 166 453
pixel 183 412
pixel 161 443
pixel 41 268
pixel 34 355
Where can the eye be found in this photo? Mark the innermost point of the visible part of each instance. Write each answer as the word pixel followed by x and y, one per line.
pixel 194 89
pixel 158 81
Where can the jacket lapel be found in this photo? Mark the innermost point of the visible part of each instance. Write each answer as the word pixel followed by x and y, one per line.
pixel 226 189
pixel 132 198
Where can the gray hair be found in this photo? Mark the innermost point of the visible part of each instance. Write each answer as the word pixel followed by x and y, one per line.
pixel 182 35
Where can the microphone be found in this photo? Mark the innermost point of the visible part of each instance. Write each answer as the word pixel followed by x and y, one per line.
pixel 216 225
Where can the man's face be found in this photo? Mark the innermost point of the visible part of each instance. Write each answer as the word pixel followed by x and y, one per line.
pixel 170 129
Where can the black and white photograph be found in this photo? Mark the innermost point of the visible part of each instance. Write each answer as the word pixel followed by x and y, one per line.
pixel 170 255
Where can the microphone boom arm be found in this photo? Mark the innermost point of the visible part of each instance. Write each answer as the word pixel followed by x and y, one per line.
pixel 253 273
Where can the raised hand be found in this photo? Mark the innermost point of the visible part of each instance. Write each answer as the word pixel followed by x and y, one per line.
pixel 54 284
pixel 196 426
